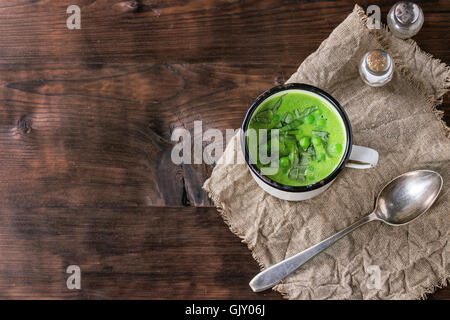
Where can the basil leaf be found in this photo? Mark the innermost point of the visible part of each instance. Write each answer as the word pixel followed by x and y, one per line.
pixel 273 105
pixel 297 173
pixel 305 112
pixel 293 157
pixel 305 159
pixel 309 153
pixel 262 120
pixel 293 125
pixel 322 135
pixel 293 173
pixel 288 118
pixel 278 103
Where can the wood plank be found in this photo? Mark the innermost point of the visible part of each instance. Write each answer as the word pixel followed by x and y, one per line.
pixel 81 135
pixel 188 31
pixel 126 253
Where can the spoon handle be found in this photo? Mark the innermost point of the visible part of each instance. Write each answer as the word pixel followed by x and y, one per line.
pixel 272 275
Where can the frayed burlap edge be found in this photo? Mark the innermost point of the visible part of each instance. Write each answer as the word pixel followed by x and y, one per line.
pixel 221 208
pixel 433 101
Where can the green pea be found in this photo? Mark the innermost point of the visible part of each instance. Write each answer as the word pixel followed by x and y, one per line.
pixel 305 142
pixel 321 122
pixel 338 147
pixel 309 119
pixel 321 156
pixel 285 162
pixel 311 168
pixel 316 141
pixel 276 118
pixel 317 112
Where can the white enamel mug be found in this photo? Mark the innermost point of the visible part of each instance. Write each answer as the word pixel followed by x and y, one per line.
pixel 354 156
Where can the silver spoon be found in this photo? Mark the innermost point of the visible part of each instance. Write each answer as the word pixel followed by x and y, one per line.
pixel 401 201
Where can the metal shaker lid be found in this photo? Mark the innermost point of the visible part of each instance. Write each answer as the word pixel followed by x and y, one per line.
pixel 406 12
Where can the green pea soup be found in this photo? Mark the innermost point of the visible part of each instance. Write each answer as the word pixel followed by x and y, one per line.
pixel 311 137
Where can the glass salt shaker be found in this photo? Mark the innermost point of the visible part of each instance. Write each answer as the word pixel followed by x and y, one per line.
pixel 405 19
pixel 376 68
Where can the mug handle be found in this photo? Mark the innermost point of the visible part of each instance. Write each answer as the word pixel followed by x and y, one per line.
pixel 367 158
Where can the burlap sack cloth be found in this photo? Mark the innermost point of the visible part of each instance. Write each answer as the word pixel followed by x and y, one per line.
pixel 400 121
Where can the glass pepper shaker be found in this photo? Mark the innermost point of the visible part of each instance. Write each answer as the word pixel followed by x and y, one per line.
pixel 405 19
pixel 376 68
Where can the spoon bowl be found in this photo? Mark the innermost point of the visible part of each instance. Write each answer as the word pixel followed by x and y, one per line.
pixel 401 201
pixel 408 196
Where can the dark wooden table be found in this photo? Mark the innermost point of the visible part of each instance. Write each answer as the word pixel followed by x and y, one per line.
pixel 85 123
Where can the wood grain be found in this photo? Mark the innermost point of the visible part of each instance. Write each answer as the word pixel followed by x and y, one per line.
pixel 86 118
pixel 105 133
pixel 152 253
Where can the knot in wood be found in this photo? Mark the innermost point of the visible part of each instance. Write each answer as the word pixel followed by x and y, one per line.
pixel 24 125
